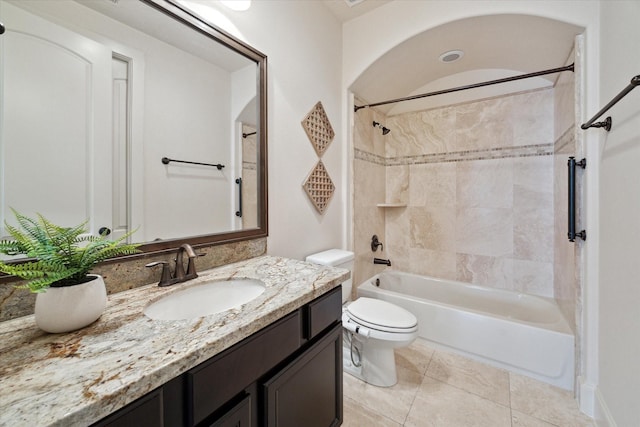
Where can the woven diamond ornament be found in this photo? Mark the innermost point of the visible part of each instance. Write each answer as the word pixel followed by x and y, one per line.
pixel 318 128
pixel 319 187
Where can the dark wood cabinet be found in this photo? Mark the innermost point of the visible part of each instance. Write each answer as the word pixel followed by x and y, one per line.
pixel 144 412
pixel 307 392
pixel 216 381
pixel 289 374
pixel 239 416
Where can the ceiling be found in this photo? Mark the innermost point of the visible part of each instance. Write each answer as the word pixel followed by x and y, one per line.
pixel 494 46
pixel 345 10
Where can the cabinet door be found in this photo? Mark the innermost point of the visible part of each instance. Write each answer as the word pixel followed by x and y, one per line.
pixel 216 381
pixel 308 391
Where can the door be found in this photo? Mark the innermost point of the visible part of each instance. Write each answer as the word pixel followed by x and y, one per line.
pixel 55 117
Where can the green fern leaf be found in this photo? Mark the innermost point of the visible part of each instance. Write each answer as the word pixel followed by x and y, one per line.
pixel 63 254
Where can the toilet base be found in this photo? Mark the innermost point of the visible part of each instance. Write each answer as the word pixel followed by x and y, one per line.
pixel 377 364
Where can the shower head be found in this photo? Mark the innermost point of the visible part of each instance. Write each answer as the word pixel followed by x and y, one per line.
pixel 385 130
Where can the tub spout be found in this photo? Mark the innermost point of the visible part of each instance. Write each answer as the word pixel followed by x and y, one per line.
pixel 382 261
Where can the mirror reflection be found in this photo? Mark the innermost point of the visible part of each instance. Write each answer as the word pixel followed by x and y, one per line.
pixel 95 93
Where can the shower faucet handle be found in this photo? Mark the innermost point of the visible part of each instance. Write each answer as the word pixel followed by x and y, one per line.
pixel 375 243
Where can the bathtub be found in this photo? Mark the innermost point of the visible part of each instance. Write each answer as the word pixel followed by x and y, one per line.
pixel 522 333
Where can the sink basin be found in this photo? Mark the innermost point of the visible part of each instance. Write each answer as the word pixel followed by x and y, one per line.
pixel 205 299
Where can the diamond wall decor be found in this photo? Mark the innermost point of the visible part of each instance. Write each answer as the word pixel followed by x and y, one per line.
pixel 318 128
pixel 319 187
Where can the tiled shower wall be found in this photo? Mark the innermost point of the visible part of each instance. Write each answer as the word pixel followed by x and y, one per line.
pixel 478 184
pixel 369 175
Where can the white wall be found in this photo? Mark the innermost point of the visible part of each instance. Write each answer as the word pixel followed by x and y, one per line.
pixel 619 293
pixel 302 41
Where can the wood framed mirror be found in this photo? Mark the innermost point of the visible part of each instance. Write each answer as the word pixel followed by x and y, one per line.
pixel 136 115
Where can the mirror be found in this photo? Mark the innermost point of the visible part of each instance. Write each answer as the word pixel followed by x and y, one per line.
pixel 134 114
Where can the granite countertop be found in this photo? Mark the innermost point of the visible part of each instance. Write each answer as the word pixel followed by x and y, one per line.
pixel 77 378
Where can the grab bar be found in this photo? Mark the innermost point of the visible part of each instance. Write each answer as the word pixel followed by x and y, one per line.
pixel 607 123
pixel 571 165
pixel 239 211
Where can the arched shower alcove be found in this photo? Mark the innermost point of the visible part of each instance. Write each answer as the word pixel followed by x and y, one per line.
pixel 471 186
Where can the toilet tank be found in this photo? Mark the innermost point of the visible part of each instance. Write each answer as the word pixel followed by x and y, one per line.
pixel 336 258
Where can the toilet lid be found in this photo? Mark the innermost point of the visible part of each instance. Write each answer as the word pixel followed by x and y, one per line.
pixel 381 314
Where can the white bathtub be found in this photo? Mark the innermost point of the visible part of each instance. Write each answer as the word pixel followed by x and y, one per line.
pixel 519 332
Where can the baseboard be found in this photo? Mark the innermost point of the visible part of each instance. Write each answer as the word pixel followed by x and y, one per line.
pixel 593 404
pixel 602 416
pixel 587 397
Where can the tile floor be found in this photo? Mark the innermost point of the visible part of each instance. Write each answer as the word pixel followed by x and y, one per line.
pixel 441 389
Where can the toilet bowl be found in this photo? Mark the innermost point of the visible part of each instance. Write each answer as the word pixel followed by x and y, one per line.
pixel 372 328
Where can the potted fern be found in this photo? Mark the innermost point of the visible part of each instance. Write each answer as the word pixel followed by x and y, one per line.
pixel 68 297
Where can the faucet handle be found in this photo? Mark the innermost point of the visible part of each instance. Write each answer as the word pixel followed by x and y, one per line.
pixel 165 278
pixel 375 243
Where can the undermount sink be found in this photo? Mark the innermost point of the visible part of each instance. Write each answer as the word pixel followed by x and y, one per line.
pixel 205 299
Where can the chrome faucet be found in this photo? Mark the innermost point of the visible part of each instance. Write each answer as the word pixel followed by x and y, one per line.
pixel 179 275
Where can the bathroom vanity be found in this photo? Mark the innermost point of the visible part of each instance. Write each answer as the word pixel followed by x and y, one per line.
pixel 275 361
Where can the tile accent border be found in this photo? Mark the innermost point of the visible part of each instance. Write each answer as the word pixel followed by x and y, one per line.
pixel 565 143
pixel 370 157
pixel 459 156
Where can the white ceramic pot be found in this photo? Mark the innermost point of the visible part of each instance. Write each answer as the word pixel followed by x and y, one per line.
pixel 69 308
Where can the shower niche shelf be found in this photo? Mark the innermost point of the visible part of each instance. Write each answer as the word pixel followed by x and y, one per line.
pixel 391 205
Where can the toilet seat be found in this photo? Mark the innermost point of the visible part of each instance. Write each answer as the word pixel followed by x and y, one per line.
pixel 380 316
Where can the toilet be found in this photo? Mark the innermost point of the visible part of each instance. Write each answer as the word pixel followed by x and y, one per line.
pixel 372 328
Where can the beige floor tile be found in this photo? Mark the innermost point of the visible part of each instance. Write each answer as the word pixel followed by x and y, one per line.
pixel 546 402
pixel 518 419
pixel 415 357
pixel 441 405
pixel 468 394
pixel 394 402
pixel 469 375
pixel 356 415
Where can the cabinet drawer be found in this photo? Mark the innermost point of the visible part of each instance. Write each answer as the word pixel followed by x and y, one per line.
pixel 146 411
pixel 216 381
pixel 238 416
pixel 323 312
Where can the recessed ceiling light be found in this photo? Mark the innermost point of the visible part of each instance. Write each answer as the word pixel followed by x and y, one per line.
pixel 451 56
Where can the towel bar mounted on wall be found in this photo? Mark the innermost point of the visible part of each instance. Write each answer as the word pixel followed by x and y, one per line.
pixel 606 124
pixel 166 161
pixel 571 165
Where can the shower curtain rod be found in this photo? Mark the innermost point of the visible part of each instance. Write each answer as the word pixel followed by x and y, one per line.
pixel 471 86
